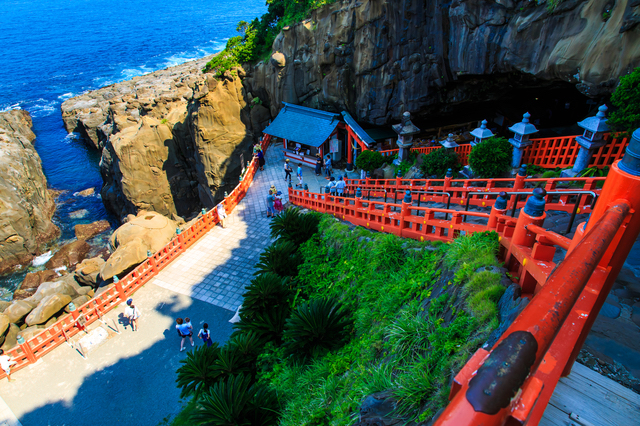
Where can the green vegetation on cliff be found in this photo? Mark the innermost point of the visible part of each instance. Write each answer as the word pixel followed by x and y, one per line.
pixel 257 36
pixel 625 117
pixel 357 313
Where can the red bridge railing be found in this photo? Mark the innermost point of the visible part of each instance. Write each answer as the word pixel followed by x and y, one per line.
pixel 71 324
pixel 512 382
pixel 549 153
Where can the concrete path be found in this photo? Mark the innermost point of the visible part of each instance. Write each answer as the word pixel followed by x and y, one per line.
pixel 130 378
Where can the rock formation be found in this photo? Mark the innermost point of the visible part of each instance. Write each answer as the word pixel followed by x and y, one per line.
pixel 377 59
pixel 171 141
pixel 26 205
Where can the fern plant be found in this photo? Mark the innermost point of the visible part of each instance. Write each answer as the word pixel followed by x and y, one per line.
pixel 293 226
pixel 236 402
pixel 281 258
pixel 267 326
pixel 195 375
pixel 267 291
pixel 317 327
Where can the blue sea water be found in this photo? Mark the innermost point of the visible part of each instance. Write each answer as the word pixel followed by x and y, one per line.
pixel 53 50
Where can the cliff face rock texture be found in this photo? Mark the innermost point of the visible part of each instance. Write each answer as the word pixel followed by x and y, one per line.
pixel 26 206
pixel 171 140
pixel 377 59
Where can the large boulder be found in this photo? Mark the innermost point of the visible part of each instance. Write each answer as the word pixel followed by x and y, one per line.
pixel 85 232
pixel 4 305
pixel 26 205
pixel 33 279
pixel 18 310
pixel 78 301
pixel 48 307
pixel 69 255
pixel 55 287
pixel 148 231
pixel 125 258
pixel 88 270
pixel 4 323
pixel 30 332
pixel 11 338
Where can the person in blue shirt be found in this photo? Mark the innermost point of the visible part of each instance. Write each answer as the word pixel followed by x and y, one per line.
pixel 185 329
pixel 327 166
pixel 299 174
pixel 271 212
pixel 340 186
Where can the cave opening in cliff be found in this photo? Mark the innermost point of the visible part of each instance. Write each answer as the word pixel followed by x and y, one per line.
pixel 555 106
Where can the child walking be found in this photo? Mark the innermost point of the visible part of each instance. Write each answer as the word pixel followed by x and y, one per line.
pixel 5 363
pixel 184 330
pixel 299 174
pixel 205 335
pixel 132 313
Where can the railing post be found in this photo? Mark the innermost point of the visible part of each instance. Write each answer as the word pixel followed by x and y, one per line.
pixel 533 213
pixel 152 262
pixel 26 349
pixel 499 208
pixel 405 210
pixel 118 285
pixel 518 184
pixel 181 239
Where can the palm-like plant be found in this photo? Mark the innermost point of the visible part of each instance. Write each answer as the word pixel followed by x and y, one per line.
pixel 317 327
pixel 281 258
pixel 246 345
pixel 291 225
pixel 267 326
pixel 236 402
pixel 267 291
pixel 195 375
pixel 229 363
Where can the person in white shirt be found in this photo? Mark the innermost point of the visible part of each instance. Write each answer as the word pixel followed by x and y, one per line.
pixel 132 313
pixel 222 214
pixel 340 186
pixel 5 363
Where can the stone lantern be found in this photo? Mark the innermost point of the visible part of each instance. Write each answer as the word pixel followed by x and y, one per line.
pixel 480 133
pixel 449 143
pixel 520 139
pixel 591 139
pixel 405 131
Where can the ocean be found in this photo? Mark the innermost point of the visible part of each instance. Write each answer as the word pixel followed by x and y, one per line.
pixel 53 50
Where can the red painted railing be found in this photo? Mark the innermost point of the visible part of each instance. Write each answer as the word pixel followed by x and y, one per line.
pixel 481 192
pixel 549 153
pixel 513 382
pixel 68 325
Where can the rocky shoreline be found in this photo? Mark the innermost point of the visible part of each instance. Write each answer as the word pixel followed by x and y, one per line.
pixel 27 206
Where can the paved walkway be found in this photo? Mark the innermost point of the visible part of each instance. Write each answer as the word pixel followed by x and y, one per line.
pixel 130 378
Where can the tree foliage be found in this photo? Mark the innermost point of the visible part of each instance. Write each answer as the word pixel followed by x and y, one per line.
pixel 369 160
pixel 625 117
pixel 437 162
pixel 491 158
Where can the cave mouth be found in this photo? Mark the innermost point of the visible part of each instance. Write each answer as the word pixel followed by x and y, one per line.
pixel 555 106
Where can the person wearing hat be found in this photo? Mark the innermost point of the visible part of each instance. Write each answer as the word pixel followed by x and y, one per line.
pixel 132 313
pixel 319 164
pixel 287 170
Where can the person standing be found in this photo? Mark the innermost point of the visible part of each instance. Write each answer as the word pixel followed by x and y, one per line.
pixel 261 161
pixel 340 185
pixel 5 363
pixel 287 170
pixel 299 174
pixel 327 166
pixel 277 204
pixel 270 200
pixel 205 335
pixel 332 186
pixel 222 213
pixel 184 330
pixel 256 148
pixel 132 313
pixel 319 164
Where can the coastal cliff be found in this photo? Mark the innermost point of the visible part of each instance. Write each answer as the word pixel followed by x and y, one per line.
pixel 26 205
pixel 171 140
pixel 377 59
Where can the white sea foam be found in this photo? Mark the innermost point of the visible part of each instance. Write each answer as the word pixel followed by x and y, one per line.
pixel 42 259
pixel 9 107
pixel 41 107
pixel 65 96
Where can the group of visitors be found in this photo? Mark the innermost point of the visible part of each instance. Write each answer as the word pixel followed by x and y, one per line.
pixel 274 202
pixel 336 187
pixel 324 163
pixel 185 329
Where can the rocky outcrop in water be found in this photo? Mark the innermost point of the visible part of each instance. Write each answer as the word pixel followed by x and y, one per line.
pixel 171 141
pixel 26 205
pixel 377 59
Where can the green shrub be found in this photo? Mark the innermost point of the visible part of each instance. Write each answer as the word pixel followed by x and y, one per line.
pixel 293 226
pixel 236 401
pixel 195 375
pixel 437 162
pixel 369 160
pixel 625 117
pixel 267 326
pixel 491 158
pixel 317 327
pixel 266 292
pixel 281 258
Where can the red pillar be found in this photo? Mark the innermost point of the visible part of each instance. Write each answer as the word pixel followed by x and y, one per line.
pixel 349 150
